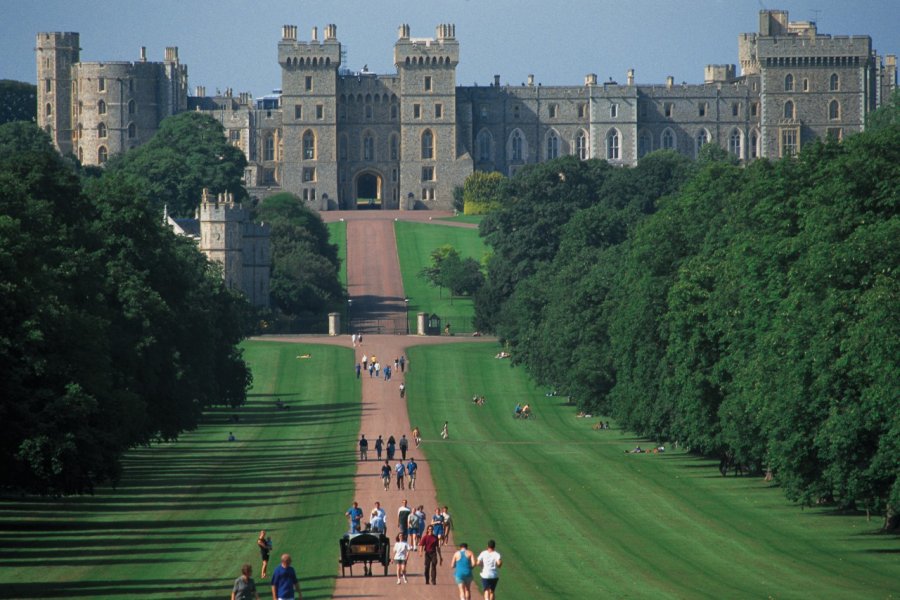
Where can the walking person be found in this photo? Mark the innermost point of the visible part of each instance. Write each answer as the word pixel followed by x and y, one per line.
pixel 365 362
pixel 354 514
pixel 377 369
pixel 404 446
pixel 462 564
pixel 386 475
pixel 431 546
pixel 403 518
pixel 401 555
pixel 353 339
pixel 371 370
pixel 402 364
pixel 412 529
pixel 363 448
pixel 411 468
pixel 445 431
pixel 391 447
pixel 387 373
pixel 284 580
pixel 437 524
pixel 490 562
pixel 396 364
pixel 400 471
pixel 379 445
pixel 417 436
pixel 358 370
pixel 402 390
pixel 447 524
pixel 244 586
pixel 265 547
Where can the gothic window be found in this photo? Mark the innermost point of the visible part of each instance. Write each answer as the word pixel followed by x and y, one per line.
pixel 834 84
pixel 48 109
pixel 298 111
pixel 309 174
pixel 645 144
pixel 581 145
pixel 834 110
pixel 101 107
pixel 307 83
pixel 734 142
pixel 427 144
pixel 552 145
pixel 368 146
pixel 735 109
pixel 805 84
pixel 101 85
pixel 702 139
pixel 102 154
pixel 754 144
pixel 517 146
pixel 789 110
pixel 612 145
pixel 132 131
pixel 395 147
pixel 668 140
pixel 484 145
pixel 668 109
pixel 101 130
pixel 269 148
pixel 790 141
pixel 427 173
pixel 582 110
pixel 131 107
pixel 701 109
pixel 393 111
pixel 47 85
pixel 754 109
pixel 309 145
pixel 789 83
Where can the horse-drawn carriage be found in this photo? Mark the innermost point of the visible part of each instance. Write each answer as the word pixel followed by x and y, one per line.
pixel 366 548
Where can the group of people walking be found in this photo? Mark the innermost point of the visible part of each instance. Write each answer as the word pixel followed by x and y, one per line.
pixel 388 447
pixel 376 369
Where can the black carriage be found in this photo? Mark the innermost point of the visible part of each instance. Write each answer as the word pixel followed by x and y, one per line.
pixel 366 548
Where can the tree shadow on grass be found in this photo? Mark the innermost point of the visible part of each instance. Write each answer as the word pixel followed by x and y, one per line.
pixel 121 588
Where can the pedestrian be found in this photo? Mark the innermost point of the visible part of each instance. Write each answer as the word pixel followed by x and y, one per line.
pixel 265 547
pixel 448 525
pixel 377 519
pixel 396 364
pixel 401 555
pixel 420 512
pixel 365 362
pixel 379 444
pixel 402 390
pixel 402 364
pixel 417 436
pixel 371 370
pixel 391 447
pixel 353 339
pixel 490 562
pixel 363 448
pixel 377 369
pixel 431 545
pixel 404 446
pixel 412 529
pixel 354 514
pixel 445 431
pixel 462 564
pixel 403 518
pixel 400 470
pixel 411 468
pixel 387 373
pixel 358 369
pixel 359 339
pixel 244 586
pixel 284 580
pixel 437 523
pixel 386 475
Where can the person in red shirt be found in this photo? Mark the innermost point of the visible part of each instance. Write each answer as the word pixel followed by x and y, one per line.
pixel 432 547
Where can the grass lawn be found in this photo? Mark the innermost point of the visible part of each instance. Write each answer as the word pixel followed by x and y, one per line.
pixel 464 219
pixel 415 241
pixel 186 515
pixel 576 517
pixel 337 234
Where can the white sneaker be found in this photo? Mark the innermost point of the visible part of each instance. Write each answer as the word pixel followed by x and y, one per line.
pixel 398 582
pixel 404 579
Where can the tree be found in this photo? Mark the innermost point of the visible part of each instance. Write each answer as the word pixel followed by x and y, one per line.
pixel 18 101
pixel 482 192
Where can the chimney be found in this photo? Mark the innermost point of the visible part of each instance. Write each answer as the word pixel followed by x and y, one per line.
pixel 590 79
pixel 315 34
pixel 670 81
pixel 172 54
pixel 143 53
pixel 289 32
pixel 629 77
pixel 200 91
pixel 496 81
pixel 530 79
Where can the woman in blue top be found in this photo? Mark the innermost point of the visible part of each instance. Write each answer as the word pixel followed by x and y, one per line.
pixel 437 522
pixel 462 564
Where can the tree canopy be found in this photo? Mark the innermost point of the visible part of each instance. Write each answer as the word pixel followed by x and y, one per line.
pixel 18 101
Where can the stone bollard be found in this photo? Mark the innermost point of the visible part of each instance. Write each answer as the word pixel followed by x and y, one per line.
pixel 420 323
pixel 334 324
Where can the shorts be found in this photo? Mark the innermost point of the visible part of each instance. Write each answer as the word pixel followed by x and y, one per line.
pixel 461 580
pixel 489 584
pixel 438 530
pixel 400 561
pixel 264 554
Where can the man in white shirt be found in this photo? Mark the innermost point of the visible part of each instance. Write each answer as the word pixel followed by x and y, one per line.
pixel 490 562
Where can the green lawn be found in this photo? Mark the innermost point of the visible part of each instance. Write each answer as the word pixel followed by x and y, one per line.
pixel 337 234
pixel 415 241
pixel 464 219
pixel 186 515
pixel 576 517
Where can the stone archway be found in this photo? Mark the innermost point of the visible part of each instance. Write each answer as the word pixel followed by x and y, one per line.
pixel 369 191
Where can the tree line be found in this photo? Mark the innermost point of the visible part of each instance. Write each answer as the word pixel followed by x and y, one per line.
pixel 749 313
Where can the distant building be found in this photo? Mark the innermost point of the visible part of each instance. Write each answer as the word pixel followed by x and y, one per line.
pixel 406 140
pixel 226 235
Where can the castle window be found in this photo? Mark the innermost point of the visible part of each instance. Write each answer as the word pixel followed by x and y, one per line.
pixel 554 111
pixel 269 147
pixel 789 83
pixel 517 144
pixel 309 145
pixel 702 139
pixel 132 108
pixel 368 111
pixel 101 130
pixel 48 86
pixel 368 147
pixel 612 145
pixel 48 109
pixel 805 85
pixel 298 111
pixel 101 84
pixel 734 143
pixel 438 111
pixel 701 109
pixel 668 140
pixel 613 111
pixel 582 110
pixel 394 175
pixel 516 111
pixel 834 83
pixel 668 109
pixel 834 110
pixel 484 145
pixel 427 144
pixel 754 109
pixel 393 111
pixel 101 107
pixel 132 131
pixel 581 145
pixel 307 83
pixel 395 147
pixel 234 135
pixel 789 110
pixel 427 173
pixel 309 174
pixel 320 111
pixel 735 109
pixel 417 111
pixel 80 131
pixel 428 83
pixel 790 139
pixel 102 155
pixel 552 145
pixel 754 145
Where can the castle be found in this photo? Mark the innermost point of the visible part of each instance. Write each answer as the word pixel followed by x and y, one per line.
pixel 341 139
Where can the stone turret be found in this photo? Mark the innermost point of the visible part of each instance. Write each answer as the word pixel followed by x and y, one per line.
pixel 56 53
pixel 221 234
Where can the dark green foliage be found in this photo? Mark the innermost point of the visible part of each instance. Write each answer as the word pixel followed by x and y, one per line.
pixel 189 152
pixel 18 101
pixel 113 331
pixel 462 276
pixel 305 264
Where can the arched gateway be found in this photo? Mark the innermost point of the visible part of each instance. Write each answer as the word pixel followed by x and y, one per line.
pixel 369 191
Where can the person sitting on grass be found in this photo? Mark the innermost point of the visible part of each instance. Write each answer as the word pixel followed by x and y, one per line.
pixel 518 411
pixel 526 411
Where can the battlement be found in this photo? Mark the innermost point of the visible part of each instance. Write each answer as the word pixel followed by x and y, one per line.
pixel 439 51
pixel 312 54
pixel 59 39
pixel 859 46
pixel 222 207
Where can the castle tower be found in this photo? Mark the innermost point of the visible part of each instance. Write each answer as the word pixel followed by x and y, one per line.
pixel 56 53
pixel 427 71
pixel 309 75
pixel 221 235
